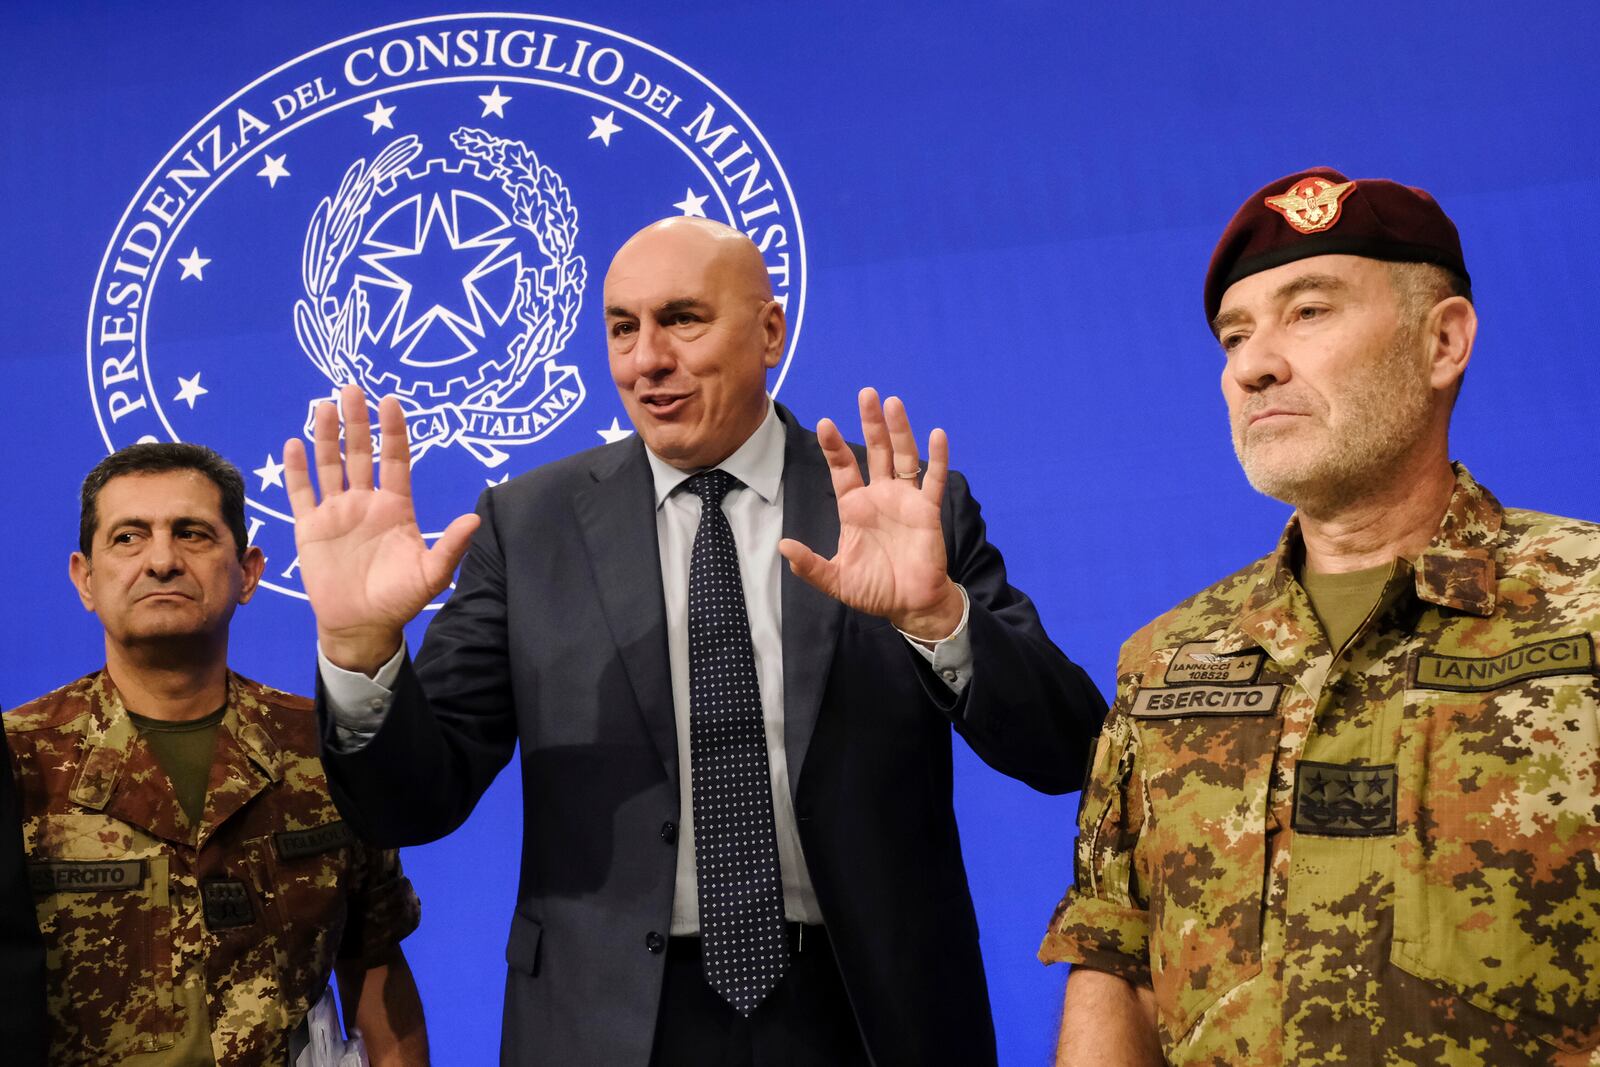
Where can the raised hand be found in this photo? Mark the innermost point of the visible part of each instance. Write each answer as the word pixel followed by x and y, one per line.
pixel 891 559
pixel 366 568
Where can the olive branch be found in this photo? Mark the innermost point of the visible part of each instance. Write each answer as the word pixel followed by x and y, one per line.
pixel 548 300
pixel 329 329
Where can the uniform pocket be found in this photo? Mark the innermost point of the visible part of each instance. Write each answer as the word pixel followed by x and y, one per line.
pixel 1498 891
pixel 1203 849
pixel 101 892
pixel 304 878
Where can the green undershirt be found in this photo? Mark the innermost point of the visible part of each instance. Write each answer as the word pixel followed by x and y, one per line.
pixel 184 750
pixel 1343 601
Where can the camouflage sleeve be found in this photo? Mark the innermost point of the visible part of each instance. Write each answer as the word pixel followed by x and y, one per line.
pixel 1103 921
pixel 383 907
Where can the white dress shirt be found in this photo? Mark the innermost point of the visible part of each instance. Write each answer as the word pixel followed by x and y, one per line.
pixel 755 513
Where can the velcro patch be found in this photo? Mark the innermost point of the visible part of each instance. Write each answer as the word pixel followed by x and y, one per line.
pixel 1344 800
pixel 1478 674
pixel 85 876
pixel 297 844
pixel 1196 663
pixel 227 903
pixel 1172 703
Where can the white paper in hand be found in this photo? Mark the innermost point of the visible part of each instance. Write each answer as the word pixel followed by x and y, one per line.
pixel 327 1046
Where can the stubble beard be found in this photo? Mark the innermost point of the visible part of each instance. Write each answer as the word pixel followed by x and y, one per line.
pixel 1383 412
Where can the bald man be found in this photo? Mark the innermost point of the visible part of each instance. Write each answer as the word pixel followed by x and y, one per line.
pixel 738 843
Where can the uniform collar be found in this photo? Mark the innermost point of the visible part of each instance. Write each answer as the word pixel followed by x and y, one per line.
pixel 758 463
pixel 1457 570
pixel 109 736
pixel 115 755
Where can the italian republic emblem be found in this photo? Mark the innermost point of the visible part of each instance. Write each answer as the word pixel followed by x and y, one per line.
pixel 1312 204
pixel 419 210
pixel 464 366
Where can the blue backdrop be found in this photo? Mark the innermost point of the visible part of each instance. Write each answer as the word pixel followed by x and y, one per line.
pixel 1001 213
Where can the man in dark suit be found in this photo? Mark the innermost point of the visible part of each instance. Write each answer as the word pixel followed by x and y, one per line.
pixel 22 1014
pixel 738 841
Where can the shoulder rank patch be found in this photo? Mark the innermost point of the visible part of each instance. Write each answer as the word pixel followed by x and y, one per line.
pixel 1344 800
pixel 1478 674
pixel 297 844
pixel 85 876
pixel 1196 662
pixel 1175 703
pixel 227 903
pixel 1311 204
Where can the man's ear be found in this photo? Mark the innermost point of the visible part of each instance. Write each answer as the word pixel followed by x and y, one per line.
pixel 1450 329
pixel 774 331
pixel 254 562
pixel 78 569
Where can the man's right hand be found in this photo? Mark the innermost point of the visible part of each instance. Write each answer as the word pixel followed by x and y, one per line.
pixel 365 565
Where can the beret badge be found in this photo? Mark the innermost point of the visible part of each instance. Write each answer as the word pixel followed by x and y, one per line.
pixel 1311 205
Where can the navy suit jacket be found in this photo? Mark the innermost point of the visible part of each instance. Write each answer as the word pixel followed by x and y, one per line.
pixel 555 640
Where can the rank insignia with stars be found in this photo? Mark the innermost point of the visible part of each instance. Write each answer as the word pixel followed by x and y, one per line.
pixel 1344 800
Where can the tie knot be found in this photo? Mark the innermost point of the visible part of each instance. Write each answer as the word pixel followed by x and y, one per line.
pixel 711 486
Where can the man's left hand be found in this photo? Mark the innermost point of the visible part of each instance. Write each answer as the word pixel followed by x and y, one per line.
pixel 891 559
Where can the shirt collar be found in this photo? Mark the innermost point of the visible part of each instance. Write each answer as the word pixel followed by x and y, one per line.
pixel 758 463
pixel 1457 570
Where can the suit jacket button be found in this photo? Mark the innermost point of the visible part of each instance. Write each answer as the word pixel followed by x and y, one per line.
pixel 655 942
pixel 669 832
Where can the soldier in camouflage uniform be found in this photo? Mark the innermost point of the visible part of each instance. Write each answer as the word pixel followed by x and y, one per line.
pixel 194 883
pixel 1344 809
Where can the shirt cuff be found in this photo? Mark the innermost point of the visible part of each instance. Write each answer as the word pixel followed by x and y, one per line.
pixel 1101 935
pixel 383 909
pixel 356 702
pixel 951 658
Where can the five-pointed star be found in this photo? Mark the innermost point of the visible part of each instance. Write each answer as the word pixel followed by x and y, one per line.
pixel 379 116
pixel 190 390
pixel 604 127
pixel 1369 790
pixel 270 473
pixel 193 264
pixel 274 170
pixel 494 104
pixel 614 432
pixel 435 280
pixel 492 482
pixel 692 205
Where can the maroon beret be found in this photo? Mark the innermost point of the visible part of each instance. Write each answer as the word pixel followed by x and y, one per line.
pixel 1320 212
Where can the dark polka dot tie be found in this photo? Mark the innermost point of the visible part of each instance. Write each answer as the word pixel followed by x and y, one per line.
pixel 743 946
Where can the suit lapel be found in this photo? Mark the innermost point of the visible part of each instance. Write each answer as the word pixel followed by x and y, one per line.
pixel 811 620
pixel 617 517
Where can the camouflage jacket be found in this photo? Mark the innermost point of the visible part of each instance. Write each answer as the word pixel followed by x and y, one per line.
pixel 143 913
pixel 1381 854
